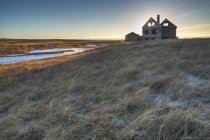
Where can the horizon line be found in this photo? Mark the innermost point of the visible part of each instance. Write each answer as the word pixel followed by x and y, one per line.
pixel 193 37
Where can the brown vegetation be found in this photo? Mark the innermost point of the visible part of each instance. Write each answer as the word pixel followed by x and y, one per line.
pixel 148 90
pixel 15 46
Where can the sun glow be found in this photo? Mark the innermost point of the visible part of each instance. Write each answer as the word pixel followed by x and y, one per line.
pixel 202 31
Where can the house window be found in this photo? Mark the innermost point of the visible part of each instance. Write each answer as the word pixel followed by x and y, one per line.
pixel 146 32
pixel 154 32
pixel 165 24
pixel 149 24
pixel 153 23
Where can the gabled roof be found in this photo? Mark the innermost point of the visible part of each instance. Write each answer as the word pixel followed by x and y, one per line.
pixel 170 24
pixel 131 34
pixel 150 20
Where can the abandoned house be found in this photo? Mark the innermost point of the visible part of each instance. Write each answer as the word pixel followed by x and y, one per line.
pixel 133 37
pixel 154 30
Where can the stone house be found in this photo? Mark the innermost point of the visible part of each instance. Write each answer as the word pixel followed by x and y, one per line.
pixel 153 29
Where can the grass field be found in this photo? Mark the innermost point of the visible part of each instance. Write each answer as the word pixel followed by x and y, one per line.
pixel 158 90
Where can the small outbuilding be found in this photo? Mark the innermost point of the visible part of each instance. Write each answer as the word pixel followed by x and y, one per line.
pixel 133 37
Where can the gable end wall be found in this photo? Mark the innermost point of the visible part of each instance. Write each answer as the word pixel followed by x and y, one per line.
pixel 168 32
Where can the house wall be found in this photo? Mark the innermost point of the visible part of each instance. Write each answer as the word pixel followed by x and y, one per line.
pixel 151 35
pixel 130 38
pixel 162 31
pixel 168 32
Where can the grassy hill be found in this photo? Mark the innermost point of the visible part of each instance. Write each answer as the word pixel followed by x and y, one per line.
pixel 146 90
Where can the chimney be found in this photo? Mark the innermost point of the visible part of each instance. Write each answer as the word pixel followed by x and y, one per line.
pixel 158 19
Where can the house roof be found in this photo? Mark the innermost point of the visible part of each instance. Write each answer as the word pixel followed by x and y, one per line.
pixel 132 33
pixel 150 20
pixel 170 24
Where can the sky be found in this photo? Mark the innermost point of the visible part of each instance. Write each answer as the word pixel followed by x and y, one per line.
pixel 99 19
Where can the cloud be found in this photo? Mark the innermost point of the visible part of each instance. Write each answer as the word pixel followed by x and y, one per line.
pixel 189 13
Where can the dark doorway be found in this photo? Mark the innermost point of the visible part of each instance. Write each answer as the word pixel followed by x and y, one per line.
pixel 146 32
pixel 154 32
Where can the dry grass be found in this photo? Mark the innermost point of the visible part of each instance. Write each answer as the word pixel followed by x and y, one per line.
pixel 18 46
pixel 151 90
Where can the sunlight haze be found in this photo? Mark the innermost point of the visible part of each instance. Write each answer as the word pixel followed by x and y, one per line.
pixel 97 19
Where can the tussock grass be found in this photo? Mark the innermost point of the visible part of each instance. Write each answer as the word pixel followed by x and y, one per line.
pixel 147 90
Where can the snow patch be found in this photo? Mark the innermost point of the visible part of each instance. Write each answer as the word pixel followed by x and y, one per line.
pixel 92 46
pixel 161 100
pixel 41 54
pixel 195 81
pixel 51 50
pixel 147 72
